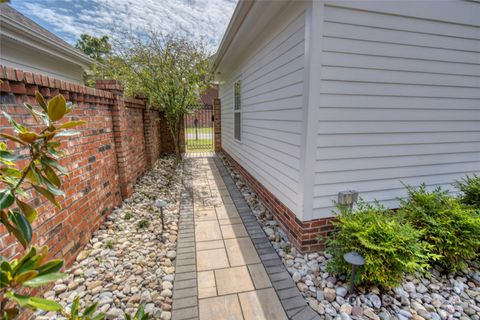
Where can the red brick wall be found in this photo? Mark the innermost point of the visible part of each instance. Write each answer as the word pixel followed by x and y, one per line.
pixel 302 234
pixel 120 141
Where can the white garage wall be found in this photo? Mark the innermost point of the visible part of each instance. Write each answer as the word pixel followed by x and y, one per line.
pixel 272 102
pixel 399 98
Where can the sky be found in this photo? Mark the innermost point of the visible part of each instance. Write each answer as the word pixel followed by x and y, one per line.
pixel 197 19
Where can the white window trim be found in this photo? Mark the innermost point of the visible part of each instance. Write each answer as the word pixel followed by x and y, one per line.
pixel 239 110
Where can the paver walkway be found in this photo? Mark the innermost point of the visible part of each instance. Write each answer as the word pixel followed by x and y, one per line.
pixel 226 268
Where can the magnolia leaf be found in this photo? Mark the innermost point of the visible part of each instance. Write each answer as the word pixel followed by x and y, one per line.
pixel 44 304
pixel 47 194
pixel 20 299
pixel 51 266
pixel 67 133
pixel 6 198
pixel 30 109
pixel 13 138
pixel 4 279
pixel 16 126
pixel 29 211
pixel 52 176
pixel 54 164
pixel 41 100
pixel 25 276
pixel 22 225
pixel 6 155
pixel 52 188
pixel 72 124
pixel 44 279
pixel 28 136
pixel 57 107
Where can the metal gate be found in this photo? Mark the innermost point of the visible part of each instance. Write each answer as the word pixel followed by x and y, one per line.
pixel 199 129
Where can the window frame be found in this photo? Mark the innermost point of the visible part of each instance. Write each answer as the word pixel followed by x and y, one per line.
pixel 237 109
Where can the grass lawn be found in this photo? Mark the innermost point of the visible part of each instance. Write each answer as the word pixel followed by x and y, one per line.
pixel 200 145
pixel 200 130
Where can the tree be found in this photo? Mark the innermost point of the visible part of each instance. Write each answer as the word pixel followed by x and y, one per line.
pixel 171 71
pixel 20 172
pixel 95 48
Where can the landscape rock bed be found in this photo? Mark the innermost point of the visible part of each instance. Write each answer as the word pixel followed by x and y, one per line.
pixel 436 296
pixel 129 260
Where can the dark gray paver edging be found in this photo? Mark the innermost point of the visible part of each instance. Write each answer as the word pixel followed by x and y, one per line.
pixel 292 300
pixel 185 293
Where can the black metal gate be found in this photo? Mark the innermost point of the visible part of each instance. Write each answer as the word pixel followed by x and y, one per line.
pixel 199 129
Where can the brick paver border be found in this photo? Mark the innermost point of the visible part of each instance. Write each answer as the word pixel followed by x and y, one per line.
pixel 292 301
pixel 185 293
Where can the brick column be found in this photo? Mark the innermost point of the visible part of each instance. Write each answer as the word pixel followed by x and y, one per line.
pixel 152 143
pixel 217 125
pixel 120 125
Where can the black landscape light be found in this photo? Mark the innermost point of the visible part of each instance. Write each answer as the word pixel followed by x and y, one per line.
pixel 160 205
pixel 356 260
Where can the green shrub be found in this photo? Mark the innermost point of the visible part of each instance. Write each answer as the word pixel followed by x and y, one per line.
pixel 451 230
pixel 143 224
pixel 390 246
pixel 470 188
pixel 128 215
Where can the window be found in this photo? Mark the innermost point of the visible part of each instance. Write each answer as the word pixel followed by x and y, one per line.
pixel 237 116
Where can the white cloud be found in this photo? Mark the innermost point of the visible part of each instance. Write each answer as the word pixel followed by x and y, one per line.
pixel 205 19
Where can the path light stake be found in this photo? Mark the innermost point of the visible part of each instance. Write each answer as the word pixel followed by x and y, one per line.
pixel 356 260
pixel 160 205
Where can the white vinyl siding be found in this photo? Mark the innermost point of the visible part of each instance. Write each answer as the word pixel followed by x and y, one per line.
pixel 272 87
pixel 399 99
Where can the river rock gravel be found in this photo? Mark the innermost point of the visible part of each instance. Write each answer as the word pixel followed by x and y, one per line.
pixel 129 259
pixel 436 296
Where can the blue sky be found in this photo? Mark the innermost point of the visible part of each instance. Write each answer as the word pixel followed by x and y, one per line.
pixel 206 19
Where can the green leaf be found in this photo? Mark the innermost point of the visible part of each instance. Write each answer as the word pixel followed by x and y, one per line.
pixel 57 107
pixel 67 133
pixel 41 100
pixel 52 176
pixel 140 313
pixel 6 198
pixel 4 279
pixel 52 188
pixel 28 136
pixel 44 304
pixel 90 310
pixel 74 309
pixel 72 124
pixel 20 299
pixel 47 194
pixel 30 109
pixel 25 276
pixel 5 155
pixel 44 279
pixel 16 126
pixel 29 211
pixel 13 138
pixel 50 267
pixel 22 225
pixel 54 164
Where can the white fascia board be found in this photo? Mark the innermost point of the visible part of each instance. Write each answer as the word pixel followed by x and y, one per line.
pixel 29 37
pixel 313 51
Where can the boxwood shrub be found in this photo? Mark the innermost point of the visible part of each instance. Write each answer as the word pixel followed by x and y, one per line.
pixel 451 230
pixel 470 188
pixel 390 246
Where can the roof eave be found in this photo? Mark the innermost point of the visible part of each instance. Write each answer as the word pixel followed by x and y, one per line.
pixel 71 55
pixel 241 11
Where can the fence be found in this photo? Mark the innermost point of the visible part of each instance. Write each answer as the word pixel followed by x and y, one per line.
pixel 122 139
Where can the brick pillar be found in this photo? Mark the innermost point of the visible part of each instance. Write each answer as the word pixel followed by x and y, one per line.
pixel 120 125
pixel 217 125
pixel 149 116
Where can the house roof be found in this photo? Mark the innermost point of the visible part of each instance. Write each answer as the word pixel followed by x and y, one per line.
pixel 248 21
pixel 22 29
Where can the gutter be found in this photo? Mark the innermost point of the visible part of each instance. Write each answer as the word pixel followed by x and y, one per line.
pixel 77 57
pixel 241 11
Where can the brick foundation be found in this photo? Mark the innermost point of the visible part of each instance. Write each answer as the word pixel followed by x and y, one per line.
pixel 302 234
pixel 121 140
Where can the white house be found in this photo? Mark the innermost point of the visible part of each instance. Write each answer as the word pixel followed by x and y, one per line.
pixel 27 46
pixel 320 97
